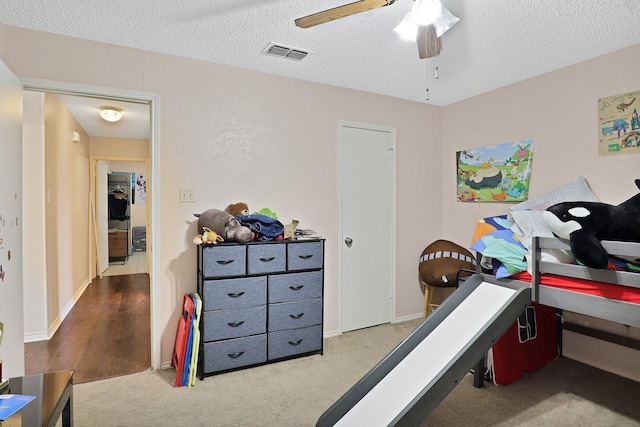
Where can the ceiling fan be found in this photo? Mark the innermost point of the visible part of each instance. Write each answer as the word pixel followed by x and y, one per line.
pixel 425 23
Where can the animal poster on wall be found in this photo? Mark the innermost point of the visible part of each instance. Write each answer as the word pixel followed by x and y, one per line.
pixel 618 124
pixel 496 173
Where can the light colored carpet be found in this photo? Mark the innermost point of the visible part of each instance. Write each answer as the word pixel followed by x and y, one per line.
pixel 298 391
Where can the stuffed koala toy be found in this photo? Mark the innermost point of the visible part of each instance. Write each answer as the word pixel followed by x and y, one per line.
pixel 224 224
pixel 584 224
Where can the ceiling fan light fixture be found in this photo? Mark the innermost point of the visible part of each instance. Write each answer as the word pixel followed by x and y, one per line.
pixel 110 114
pixel 444 21
pixel 407 28
pixel 425 12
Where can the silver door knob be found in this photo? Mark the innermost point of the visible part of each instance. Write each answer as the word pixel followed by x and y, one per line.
pixel 348 241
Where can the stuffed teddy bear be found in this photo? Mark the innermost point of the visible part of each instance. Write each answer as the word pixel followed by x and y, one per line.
pixel 240 208
pixel 224 224
pixel 584 224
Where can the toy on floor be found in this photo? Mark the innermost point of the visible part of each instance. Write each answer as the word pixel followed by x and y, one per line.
pixel 585 224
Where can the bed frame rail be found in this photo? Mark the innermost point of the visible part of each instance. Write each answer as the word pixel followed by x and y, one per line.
pixel 613 310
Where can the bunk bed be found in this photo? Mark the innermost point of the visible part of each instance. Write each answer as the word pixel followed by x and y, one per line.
pixel 606 294
pixel 520 246
pixel 520 249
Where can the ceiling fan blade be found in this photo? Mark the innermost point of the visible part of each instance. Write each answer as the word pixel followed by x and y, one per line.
pixel 429 44
pixel 341 12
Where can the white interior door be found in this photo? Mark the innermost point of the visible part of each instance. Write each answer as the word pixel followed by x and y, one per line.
pixel 367 254
pixel 11 260
pixel 102 214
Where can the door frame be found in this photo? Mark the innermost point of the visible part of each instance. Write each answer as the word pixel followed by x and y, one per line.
pixel 153 239
pixel 342 124
pixel 93 165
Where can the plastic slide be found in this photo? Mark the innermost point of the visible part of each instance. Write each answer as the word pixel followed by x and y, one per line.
pixel 412 380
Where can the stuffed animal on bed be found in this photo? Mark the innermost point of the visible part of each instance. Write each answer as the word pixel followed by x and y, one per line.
pixel 584 224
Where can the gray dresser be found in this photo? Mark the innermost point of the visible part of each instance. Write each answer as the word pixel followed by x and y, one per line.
pixel 261 302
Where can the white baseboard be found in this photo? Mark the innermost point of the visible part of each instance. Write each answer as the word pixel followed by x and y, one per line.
pixel 66 309
pixel 35 336
pixel 407 318
pixel 614 358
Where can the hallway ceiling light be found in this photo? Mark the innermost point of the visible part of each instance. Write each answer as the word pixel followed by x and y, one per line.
pixel 111 114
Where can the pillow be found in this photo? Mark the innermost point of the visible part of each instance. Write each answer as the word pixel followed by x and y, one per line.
pixel 577 191
pixel 527 217
pixel 526 225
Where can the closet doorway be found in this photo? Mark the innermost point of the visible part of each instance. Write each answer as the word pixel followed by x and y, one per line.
pixel 366 259
pixel 121 214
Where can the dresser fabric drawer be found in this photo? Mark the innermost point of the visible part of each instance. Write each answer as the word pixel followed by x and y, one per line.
pixel 267 258
pixel 299 314
pixel 224 324
pixel 295 286
pixel 229 354
pixel 222 261
pixel 223 294
pixel 304 256
pixel 294 341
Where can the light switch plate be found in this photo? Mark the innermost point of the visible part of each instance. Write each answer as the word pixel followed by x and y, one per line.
pixel 187 195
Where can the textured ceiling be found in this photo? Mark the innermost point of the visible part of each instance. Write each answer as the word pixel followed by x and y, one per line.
pixel 496 42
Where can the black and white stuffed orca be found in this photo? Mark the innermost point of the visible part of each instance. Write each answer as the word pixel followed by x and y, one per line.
pixel 584 224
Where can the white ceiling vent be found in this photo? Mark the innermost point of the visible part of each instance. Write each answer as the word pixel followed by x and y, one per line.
pixel 283 51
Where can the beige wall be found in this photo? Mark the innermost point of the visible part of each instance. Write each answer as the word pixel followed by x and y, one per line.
pixel 118 147
pixel 138 211
pixel 238 135
pixel 559 111
pixel 33 213
pixel 125 148
pixel 67 209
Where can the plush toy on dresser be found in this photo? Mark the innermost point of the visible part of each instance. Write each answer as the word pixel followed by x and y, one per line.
pixel 239 208
pixel 585 224
pixel 208 237
pixel 224 224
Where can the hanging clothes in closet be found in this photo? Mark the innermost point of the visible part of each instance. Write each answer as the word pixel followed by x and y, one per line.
pixel 118 204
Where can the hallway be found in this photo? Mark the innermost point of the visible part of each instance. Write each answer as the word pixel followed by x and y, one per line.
pixel 106 334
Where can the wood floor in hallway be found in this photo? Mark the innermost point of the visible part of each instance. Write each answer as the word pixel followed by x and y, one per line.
pixel 106 334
